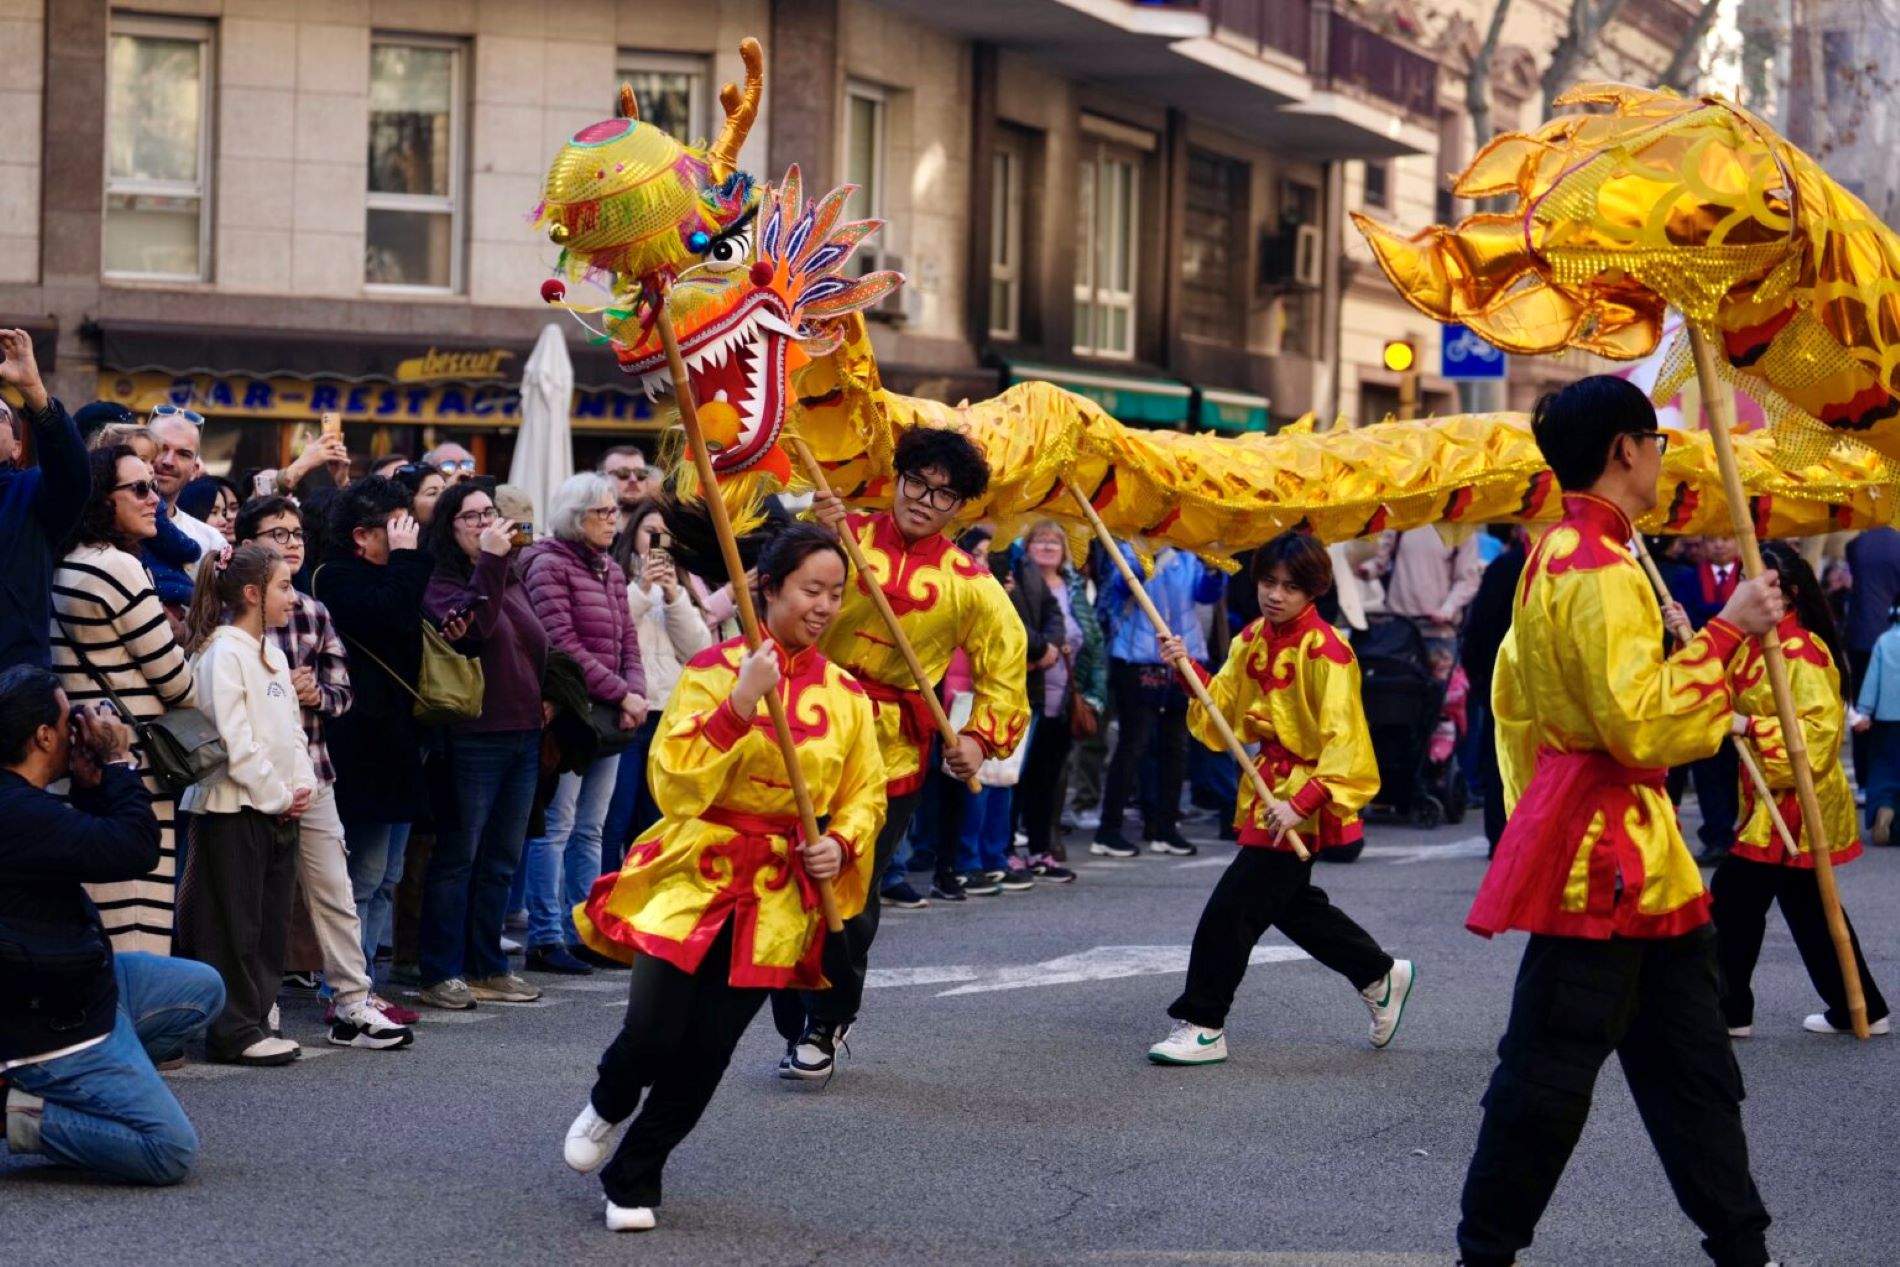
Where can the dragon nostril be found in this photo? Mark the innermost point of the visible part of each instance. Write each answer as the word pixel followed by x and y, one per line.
pixel 761 273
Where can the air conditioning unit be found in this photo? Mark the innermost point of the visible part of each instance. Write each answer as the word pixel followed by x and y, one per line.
pixel 1290 259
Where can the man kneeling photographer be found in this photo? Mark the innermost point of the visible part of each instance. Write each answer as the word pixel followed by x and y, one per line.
pixel 80 1026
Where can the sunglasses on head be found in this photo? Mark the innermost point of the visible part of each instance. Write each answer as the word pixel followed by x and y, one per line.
pixel 449 466
pixel 191 416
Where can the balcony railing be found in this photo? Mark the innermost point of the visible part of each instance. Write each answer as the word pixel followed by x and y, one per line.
pixel 1386 69
pixel 1286 26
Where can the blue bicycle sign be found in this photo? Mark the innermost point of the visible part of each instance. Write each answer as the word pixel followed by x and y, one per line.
pixel 1463 355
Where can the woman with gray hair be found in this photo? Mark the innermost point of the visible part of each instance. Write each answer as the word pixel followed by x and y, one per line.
pixel 580 594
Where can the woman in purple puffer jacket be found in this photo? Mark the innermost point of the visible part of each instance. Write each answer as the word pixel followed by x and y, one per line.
pixel 581 596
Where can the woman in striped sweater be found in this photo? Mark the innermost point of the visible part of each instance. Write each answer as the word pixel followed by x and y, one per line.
pixel 103 600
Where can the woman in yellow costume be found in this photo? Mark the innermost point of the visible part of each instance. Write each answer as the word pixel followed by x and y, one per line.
pixel 1759 870
pixel 1291 685
pixel 711 907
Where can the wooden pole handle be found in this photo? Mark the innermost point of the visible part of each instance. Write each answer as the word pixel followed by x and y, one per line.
pixel 868 583
pixel 1756 778
pixel 742 599
pixel 1184 666
pixel 1720 407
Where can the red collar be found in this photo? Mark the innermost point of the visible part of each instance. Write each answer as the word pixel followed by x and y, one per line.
pixel 1308 619
pixel 1587 510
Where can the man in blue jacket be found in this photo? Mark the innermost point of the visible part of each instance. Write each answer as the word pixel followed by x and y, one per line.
pixel 39 506
pixel 79 1026
pixel 1150 702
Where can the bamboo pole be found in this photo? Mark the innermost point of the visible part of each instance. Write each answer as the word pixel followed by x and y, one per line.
pixel 1720 407
pixel 742 599
pixel 868 581
pixel 1184 666
pixel 1756 778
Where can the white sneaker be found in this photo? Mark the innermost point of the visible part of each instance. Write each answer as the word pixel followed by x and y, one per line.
pixel 1190 1044
pixel 363 1024
pixel 587 1146
pixel 269 1051
pixel 629 1218
pixel 509 946
pixel 1817 1024
pixel 275 1022
pixel 1741 1031
pixel 1385 999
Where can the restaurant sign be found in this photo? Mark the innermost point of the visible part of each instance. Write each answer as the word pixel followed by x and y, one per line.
pixel 452 404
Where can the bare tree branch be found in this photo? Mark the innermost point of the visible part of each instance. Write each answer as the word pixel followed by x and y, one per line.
pixel 1478 82
pixel 1587 21
pixel 1686 66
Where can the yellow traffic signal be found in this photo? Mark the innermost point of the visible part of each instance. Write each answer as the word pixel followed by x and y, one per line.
pixel 1400 355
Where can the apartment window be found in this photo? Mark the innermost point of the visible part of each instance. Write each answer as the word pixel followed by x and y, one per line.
pixel 1213 271
pixel 415 165
pixel 1378 191
pixel 866 112
pixel 158 149
pixel 1006 243
pixel 671 91
pixel 1107 197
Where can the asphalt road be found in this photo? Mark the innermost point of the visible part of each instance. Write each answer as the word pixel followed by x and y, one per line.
pixel 996 1108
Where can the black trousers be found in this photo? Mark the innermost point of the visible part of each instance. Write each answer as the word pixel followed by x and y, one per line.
pixel 1491 779
pixel 674 1045
pixel 1153 728
pixel 845 957
pixel 234 914
pixel 1039 790
pixel 1743 891
pixel 1264 888
pixel 1718 792
pixel 1861 742
pixel 1653 1003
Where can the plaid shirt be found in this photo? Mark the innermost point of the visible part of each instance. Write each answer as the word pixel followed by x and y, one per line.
pixel 310 641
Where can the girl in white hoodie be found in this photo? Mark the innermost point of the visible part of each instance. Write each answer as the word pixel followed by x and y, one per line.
pixel 235 903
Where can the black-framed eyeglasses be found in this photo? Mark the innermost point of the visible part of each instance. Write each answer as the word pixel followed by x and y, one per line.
pixel 603 512
pixel 191 416
pixel 279 536
pixel 935 496
pixel 483 517
pixel 1661 438
pixel 140 489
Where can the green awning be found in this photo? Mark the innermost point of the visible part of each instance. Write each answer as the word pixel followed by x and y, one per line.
pixel 1128 397
pixel 1231 411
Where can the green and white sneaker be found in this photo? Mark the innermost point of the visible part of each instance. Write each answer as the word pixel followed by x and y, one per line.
pixel 1385 999
pixel 1190 1044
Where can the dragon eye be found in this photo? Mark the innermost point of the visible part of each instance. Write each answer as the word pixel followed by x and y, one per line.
pixel 728 253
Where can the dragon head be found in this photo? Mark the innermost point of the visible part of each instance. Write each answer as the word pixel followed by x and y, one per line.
pixel 753 281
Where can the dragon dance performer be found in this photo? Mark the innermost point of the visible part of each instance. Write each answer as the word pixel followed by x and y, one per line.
pixel 710 907
pixel 1592 864
pixel 944 600
pixel 1291 685
pixel 1759 871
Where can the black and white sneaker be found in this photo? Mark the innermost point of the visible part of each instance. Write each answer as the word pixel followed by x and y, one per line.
pixel 814 1056
pixel 362 1024
pixel 1013 880
pixel 947 888
pixel 904 897
pixel 1172 843
pixel 1045 868
pixel 979 884
pixel 1113 847
pixel 306 981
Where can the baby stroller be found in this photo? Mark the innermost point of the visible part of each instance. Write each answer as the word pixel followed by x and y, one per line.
pixel 1404 701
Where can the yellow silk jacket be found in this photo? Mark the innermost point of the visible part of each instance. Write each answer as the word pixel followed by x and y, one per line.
pixel 1294 690
pixel 1590 714
pixel 723 848
pixel 1816 683
pixel 944 600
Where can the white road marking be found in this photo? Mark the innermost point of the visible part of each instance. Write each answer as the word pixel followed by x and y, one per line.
pixel 1469 847
pixel 1202 862
pixel 588 987
pixel 456 1018
pixel 1101 963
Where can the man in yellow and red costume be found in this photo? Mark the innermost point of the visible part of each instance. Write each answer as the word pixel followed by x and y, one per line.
pixel 1621 958
pixel 945 600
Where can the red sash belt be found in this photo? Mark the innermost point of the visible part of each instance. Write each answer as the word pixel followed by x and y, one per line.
pixel 1524 887
pixel 914 721
pixel 1276 761
pixel 750 850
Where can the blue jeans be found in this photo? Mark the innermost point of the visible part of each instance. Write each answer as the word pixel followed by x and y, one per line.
pixel 563 865
pixel 465 889
pixel 632 809
pixel 376 851
pixel 984 845
pixel 106 1108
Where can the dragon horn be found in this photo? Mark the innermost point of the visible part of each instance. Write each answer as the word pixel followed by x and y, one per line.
pixel 741 109
pixel 629 108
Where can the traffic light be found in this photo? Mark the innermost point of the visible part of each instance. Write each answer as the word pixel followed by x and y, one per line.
pixel 1400 356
